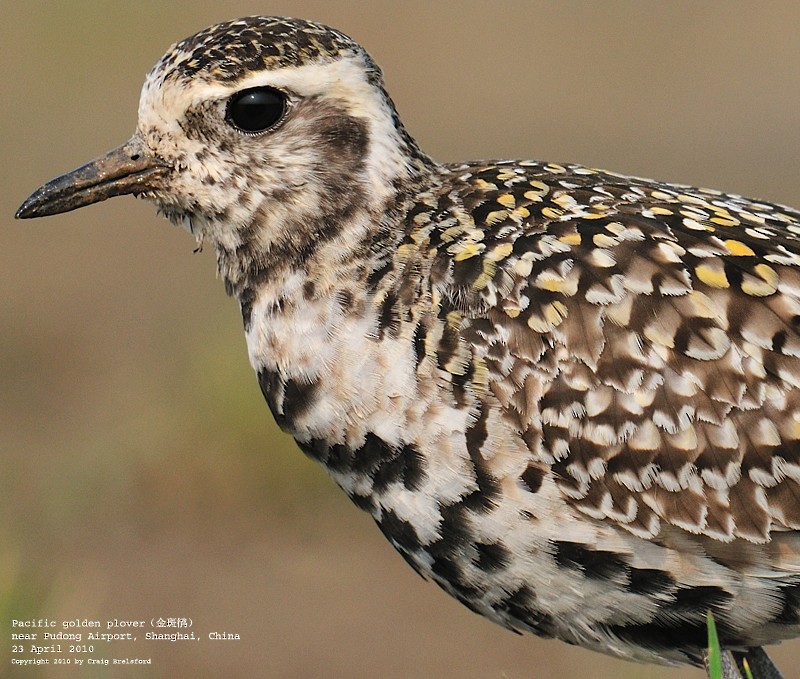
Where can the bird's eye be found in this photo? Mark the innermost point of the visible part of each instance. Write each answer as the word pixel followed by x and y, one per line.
pixel 256 109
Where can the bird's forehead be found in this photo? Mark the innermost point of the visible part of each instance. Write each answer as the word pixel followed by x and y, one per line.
pixel 229 52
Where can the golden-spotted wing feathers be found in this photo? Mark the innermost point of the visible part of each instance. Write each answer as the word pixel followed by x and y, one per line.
pixel 642 338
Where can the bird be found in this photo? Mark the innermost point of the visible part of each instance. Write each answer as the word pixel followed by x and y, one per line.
pixel 569 397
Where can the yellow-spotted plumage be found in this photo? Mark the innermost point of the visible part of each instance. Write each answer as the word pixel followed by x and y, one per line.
pixel 569 397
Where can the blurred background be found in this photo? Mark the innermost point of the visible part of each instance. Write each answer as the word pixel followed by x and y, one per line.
pixel 142 475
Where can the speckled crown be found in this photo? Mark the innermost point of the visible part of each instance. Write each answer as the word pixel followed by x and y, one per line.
pixel 229 51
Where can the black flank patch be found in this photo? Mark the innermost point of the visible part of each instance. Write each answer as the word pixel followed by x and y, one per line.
pixel 415 463
pixel 681 623
pixel 520 606
pixel 399 531
pixel 364 502
pixel 487 483
pixel 492 556
pixel 371 455
pixel 339 458
pixel 406 465
pixel 453 574
pixel 298 397
pixel 477 501
pixel 790 612
pixel 692 600
pixel 385 464
pixel 595 564
pixel 675 629
pixel 455 532
pixel 272 388
pixel 316 449
pixel 690 638
pixel 649 581
pixel 447 569
pixel 335 458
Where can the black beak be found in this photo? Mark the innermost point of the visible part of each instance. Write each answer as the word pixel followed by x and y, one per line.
pixel 131 168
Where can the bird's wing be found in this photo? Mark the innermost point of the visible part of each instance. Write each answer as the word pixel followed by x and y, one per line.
pixel 643 338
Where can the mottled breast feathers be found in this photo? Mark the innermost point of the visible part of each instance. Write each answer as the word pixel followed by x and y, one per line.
pixel 641 337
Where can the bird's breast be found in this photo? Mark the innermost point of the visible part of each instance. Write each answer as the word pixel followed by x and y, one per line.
pixel 329 374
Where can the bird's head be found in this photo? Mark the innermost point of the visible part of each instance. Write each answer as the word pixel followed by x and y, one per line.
pixel 253 132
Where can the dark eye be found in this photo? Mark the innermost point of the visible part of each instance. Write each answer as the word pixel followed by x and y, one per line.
pixel 256 109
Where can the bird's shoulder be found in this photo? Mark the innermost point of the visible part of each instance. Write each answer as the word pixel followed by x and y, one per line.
pixel 503 213
pixel 642 337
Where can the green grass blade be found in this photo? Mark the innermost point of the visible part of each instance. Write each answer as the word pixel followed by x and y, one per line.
pixel 714 655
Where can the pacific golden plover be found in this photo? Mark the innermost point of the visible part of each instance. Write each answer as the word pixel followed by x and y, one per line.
pixel 569 397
